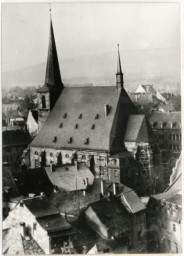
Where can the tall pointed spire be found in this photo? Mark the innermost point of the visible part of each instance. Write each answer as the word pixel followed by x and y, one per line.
pixel 119 74
pixel 52 76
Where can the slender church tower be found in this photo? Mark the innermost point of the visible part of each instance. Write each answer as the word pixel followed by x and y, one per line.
pixel 48 94
pixel 119 74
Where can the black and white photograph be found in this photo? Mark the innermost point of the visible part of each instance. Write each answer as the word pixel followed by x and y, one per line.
pixel 91 128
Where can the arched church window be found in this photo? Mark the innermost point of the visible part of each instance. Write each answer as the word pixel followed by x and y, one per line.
pixel 43 102
pixel 67 156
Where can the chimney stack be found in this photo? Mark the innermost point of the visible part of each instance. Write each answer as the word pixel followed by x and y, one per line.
pixel 76 165
pixel 114 189
pixel 106 109
pixel 102 187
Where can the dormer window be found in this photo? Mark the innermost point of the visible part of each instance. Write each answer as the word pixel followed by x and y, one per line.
pixel 86 142
pixel 93 126
pixel 97 116
pixel 70 140
pixel 161 125
pixel 54 139
pixel 65 115
pixel 60 125
pixel 76 126
pixel 80 116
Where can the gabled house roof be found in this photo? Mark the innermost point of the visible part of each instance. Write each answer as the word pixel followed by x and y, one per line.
pixel 110 212
pixel 138 129
pixel 54 223
pixel 40 207
pixel 78 120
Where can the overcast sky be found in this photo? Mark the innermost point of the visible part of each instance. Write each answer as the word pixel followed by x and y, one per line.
pixel 85 28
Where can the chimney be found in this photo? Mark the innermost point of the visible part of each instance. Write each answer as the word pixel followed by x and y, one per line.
pixel 114 189
pixel 52 167
pixel 42 194
pixel 102 187
pixel 106 109
pixel 76 164
pixel 31 195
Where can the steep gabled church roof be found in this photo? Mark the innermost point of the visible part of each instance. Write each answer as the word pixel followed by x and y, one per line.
pixel 138 129
pixel 78 120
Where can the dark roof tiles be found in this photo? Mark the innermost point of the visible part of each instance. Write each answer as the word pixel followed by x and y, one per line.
pixel 88 101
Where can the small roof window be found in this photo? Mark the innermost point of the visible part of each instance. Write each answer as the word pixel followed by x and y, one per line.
pixel 86 142
pixel 93 126
pixel 60 125
pixel 54 139
pixel 80 116
pixel 76 126
pixel 65 115
pixel 97 116
pixel 70 140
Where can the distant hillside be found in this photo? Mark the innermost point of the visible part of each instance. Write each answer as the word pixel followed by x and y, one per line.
pixel 160 67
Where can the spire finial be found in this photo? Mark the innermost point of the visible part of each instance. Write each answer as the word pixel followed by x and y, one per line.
pixel 50 11
pixel 119 74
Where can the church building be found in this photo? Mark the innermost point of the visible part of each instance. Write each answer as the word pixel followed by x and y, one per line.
pixel 89 125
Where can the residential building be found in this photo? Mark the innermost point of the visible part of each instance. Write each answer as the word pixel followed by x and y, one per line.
pixel 45 225
pixel 119 219
pixel 164 217
pixel 167 128
pixel 14 143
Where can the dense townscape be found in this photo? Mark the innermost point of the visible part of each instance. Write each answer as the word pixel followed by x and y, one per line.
pixel 91 169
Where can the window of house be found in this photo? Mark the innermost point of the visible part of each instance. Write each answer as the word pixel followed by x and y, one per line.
pixel 84 157
pixel 115 173
pixel 34 226
pixel 43 102
pixel 115 161
pixel 176 247
pixel 36 163
pixel 169 244
pixel 101 171
pixel 174 227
